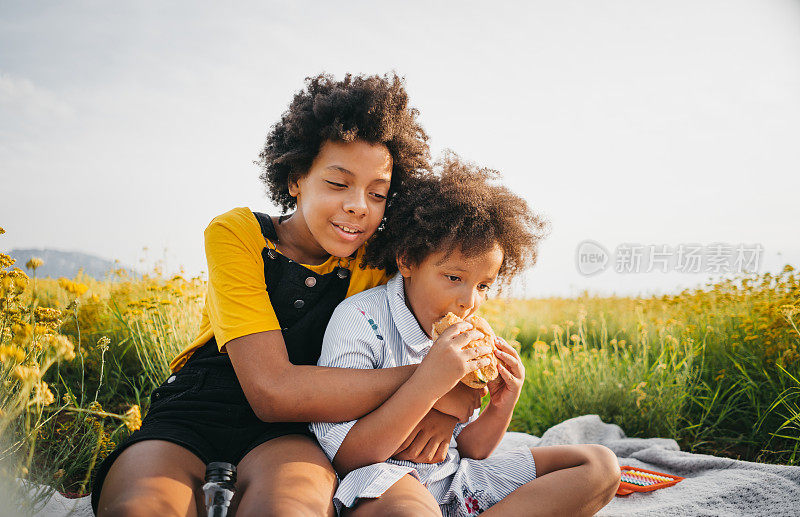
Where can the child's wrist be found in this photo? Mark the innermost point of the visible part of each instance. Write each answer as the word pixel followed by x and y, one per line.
pixel 507 406
pixel 430 382
pixel 427 386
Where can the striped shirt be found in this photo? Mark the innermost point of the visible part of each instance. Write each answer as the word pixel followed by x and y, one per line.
pixel 376 329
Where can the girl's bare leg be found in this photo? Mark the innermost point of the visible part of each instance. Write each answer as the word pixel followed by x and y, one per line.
pixel 406 498
pixel 288 476
pixel 153 477
pixel 570 480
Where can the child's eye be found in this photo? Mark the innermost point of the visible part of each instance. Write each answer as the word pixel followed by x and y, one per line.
pixel 379 196
pixel 453 278
pixel 337 185
pixel 484 287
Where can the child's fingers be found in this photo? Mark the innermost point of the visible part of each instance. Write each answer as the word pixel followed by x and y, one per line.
pixel 510 362
pixel 455 329
pixel 407 442
pixel 475 352
pixel 505 374
pixel 503 344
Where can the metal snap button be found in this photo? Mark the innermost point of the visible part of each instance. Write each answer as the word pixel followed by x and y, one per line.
pixel 311 281
pixel 298 304
pixel 343 273
pixel 171 379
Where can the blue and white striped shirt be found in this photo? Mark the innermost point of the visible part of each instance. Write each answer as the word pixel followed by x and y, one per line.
pixel 376 329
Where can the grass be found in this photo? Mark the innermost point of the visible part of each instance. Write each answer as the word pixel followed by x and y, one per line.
pixel 715 368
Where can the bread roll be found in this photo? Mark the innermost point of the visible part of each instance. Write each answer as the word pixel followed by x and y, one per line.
pixel 478 378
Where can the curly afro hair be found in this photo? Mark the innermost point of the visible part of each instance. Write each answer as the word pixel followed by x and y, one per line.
pixel 373 109
pixel 458 205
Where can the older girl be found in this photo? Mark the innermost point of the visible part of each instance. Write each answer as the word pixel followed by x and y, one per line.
pixel 243 389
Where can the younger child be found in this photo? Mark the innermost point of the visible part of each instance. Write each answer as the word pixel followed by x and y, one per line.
pixel 450 237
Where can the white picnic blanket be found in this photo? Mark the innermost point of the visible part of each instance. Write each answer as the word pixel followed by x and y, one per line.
pixel 713 485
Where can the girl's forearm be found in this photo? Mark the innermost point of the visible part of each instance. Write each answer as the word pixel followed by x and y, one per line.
pixel 385 429
pixel 279 391
pixel 480 438
pixel 323 394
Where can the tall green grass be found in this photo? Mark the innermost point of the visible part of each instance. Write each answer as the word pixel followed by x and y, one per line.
pixel 715 368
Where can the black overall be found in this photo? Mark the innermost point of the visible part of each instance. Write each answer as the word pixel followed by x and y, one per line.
pixel 202 406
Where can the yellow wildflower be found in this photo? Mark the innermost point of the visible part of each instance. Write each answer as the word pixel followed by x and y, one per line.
pixel 11 352
pixel 47 314
pixel 42 330
pixel 2 231
pixel 34 263
pixel 22 333
pixel 61 346
pixel 103 343
pixel 540 347
pixel 133 418
pixel 6 260
pixel 26 374
pixel 642 395
pixel 789 310
pixel 41 395
pixel 20 280
pixel 71 287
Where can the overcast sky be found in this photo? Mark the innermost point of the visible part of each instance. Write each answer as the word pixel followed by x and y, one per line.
pixel 133 124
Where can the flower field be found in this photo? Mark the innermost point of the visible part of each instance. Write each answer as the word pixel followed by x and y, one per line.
pixel 716 368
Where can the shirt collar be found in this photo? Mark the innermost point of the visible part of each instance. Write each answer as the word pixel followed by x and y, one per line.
pixel 404 320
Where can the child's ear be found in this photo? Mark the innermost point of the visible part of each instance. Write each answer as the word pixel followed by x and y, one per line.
pixel 403 266
pixel 294 187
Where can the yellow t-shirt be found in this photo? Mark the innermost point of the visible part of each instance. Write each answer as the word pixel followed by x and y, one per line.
pixel 237 302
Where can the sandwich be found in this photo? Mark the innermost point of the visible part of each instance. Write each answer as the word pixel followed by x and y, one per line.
pixel 478 378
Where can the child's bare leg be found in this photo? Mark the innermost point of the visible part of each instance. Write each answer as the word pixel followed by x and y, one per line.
pixel 287 476
pixel 570 480
pixel 407 498
pixel 153 477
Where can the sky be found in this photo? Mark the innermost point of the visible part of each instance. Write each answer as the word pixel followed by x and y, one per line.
pixel 634 125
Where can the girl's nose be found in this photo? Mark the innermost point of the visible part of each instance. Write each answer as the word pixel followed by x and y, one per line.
pixel 356 204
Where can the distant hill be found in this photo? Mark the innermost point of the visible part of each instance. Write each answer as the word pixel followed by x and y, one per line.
pixel 65 263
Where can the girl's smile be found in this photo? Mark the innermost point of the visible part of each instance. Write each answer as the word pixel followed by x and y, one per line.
pixel 340 201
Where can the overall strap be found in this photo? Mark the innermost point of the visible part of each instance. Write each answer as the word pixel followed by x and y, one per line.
pixel 267 228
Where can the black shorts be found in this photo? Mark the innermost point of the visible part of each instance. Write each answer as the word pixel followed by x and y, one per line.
pixel 203 409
